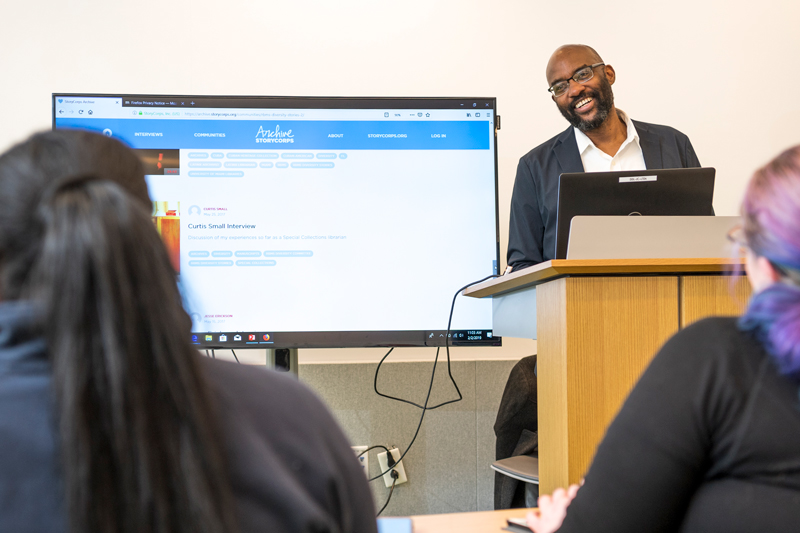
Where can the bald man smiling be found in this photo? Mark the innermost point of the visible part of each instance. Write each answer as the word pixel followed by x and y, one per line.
pixel 600 138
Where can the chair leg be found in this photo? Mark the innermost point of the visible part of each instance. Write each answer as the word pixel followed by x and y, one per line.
pixel 531 494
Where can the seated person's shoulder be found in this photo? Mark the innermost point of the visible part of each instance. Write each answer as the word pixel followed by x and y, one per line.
pixel 714 342
pixel 288 459
pixel 714 325
pixel 713 332
pixel 248 388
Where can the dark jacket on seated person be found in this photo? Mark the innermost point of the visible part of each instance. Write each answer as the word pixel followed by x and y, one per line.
pixel 291 467
pixel 708 440
pixel 516 429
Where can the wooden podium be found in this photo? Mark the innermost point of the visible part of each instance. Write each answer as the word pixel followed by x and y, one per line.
pixel 598 324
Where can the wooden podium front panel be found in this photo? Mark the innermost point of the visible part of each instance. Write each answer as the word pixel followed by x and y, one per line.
pixel 703 296
pixel 596 336
pixel 551 362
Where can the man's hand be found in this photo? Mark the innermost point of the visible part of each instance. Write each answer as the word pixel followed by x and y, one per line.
pixel 552 510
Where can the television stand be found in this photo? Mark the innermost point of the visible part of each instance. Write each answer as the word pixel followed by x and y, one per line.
pixel 282 359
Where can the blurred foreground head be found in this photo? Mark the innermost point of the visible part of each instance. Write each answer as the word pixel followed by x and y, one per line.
pixel 138 437
pixel 771 210
pixel 33 176
pixel 771 224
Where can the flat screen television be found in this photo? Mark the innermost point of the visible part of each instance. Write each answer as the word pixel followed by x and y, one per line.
pixel 297 222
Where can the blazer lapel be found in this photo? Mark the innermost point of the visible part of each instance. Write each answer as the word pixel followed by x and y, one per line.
pixel 566 151
pixel 651 146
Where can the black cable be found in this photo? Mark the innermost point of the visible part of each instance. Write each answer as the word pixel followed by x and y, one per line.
pixel 213 356
pixel 421 418
pixel 433 374
pixel 234 356
pixel 447 347
pixel 436 359
pixel 395 475
pixel 379 393
pixel 376 446
pixel 447 335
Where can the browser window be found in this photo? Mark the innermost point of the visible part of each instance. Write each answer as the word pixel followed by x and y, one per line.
pixel 316 226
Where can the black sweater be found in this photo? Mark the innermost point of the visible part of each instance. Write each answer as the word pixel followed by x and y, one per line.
pixel 292 469
pixel 708 440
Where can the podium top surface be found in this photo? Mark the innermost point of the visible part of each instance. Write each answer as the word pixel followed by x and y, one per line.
pixel 559 268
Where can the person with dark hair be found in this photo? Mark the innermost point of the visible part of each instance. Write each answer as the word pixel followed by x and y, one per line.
pixel 600 138
pixel 110 420
pixel 709 438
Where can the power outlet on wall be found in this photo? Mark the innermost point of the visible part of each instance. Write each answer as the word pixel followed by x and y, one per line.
pixel 363 458
pixel 401 471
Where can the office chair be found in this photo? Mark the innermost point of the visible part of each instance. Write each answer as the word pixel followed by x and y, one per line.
pixel 516 481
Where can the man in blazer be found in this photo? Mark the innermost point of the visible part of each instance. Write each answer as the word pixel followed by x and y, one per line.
pixel 600 138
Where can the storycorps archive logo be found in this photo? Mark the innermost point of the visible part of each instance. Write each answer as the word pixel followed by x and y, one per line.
pixel 274 136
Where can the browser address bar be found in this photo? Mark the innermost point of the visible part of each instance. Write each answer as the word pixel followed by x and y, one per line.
pixel 228 114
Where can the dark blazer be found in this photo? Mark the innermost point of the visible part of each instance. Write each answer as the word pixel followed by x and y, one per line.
pixel 532 225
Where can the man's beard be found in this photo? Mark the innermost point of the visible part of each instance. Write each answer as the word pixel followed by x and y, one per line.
pixel 603 102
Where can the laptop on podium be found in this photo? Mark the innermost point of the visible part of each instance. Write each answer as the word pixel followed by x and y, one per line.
pixel 658 192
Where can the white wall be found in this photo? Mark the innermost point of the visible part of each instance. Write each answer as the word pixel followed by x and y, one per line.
pixel 723 72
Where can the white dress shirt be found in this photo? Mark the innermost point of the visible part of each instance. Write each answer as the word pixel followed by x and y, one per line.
pixel 628 157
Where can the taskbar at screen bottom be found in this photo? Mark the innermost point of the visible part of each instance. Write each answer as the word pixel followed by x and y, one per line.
pixel 343 339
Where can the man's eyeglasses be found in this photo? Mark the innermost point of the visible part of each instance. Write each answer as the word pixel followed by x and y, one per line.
pixel 581 76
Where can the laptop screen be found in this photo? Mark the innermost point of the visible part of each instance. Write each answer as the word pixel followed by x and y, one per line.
pixel 675 192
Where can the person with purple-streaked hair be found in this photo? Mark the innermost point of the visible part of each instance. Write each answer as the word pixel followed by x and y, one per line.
pixel 709 438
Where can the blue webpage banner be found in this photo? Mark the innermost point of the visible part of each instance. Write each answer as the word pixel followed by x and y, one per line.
pixel 290 135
